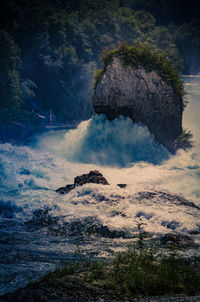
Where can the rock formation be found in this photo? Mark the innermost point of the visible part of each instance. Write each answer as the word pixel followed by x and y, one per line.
pixel 91 177
pixel 172 240
pixel 143 96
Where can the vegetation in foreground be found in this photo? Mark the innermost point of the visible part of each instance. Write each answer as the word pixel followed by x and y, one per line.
pixel 137 272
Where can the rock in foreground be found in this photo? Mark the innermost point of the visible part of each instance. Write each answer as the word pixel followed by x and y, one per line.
pixel 73 289
pixel 92 177
pixel 141 85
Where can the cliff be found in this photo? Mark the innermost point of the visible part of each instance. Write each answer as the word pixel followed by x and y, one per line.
pixel 144 87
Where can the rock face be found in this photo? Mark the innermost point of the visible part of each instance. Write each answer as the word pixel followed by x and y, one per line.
pixel 143 96
pixel 91 177
pixel 177 240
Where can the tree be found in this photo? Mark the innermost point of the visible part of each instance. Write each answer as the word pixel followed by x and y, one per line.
pixel 10 97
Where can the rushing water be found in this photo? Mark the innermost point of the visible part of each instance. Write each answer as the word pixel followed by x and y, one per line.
pixel 39 228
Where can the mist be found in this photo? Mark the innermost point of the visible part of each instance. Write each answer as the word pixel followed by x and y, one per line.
pixel 31 212
pixel 127 153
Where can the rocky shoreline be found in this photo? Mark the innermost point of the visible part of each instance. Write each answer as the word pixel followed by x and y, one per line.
pixel 73 289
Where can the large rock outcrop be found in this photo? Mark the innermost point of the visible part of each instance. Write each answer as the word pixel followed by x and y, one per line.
pixel 143 96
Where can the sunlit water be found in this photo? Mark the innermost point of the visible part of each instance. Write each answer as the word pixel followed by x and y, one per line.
pixel 39 228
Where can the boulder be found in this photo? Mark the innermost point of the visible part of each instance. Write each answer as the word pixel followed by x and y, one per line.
pixel 66 189
pixel 122 186
pixel 91 177
pixel 143 96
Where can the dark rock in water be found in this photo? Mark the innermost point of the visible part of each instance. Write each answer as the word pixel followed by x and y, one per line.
pixel 166 197
pixel 104 231
pixel 88 226
pixel 122 185
pixel 143 96
pixel 8 209
pixel 91 177
pixel 92 226
pixel 41 218
pixel 66 189
pixel 177 240
pixel 177 199
pixel 146 195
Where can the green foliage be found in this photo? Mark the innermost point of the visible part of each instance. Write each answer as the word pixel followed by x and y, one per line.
pixel 187 39
pixel 141 234
pixel 137 272
pixel 140 273
pixel 53 42
pixel 184 141
pixel 167 11
pixel 98 76
pixel 10 97
pixel 68 268
pixel 141 54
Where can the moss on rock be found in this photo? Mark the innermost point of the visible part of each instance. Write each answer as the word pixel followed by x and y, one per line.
pixel 142 55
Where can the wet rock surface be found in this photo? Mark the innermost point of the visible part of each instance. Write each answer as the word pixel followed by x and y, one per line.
pixel 144 97
pixel 66 189
pixel 89 226
pixel 41 218
pixel 92 226
pixel 122 186
pixel 172 240
pixel 73 289
pixel 166 197
pixel 91 177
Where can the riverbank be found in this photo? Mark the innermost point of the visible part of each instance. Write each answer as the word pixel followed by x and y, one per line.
pixel 138 274
pixel 84 282
pixel 74 290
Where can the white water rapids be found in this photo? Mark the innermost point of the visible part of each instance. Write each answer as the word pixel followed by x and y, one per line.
pixel 33 242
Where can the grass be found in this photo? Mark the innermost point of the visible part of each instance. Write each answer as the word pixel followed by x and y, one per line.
pixel 137 272
pixel 142 55
pixel 140 274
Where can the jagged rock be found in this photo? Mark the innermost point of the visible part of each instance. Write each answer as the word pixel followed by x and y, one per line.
pixel 92 226
pixel 177 240
pixel 122 186
pixel 91 177
pixel 166 197
pixel 143 96
pixel 88 226
pixel 66 189
pixel 41 218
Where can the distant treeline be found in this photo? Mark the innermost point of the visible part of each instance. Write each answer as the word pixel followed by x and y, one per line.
pixel 49 49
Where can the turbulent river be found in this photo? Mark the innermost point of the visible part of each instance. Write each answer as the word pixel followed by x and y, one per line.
pixel 40 229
